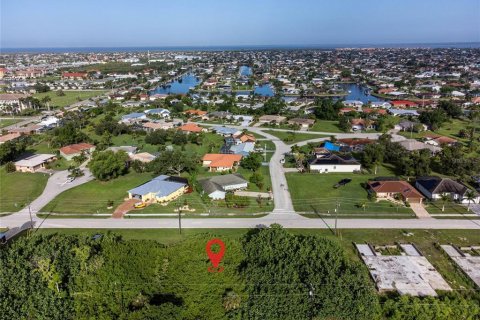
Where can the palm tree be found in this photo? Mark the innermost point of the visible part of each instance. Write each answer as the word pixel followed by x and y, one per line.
pixel 470 197
pixel 46 101
pixel 444 197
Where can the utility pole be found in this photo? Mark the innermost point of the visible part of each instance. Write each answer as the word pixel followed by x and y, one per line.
pixel 337 207
pixel 179 220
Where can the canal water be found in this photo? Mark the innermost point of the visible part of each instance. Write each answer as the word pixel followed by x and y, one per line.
pixel 358 92
pixel 245 71
pixel 188 81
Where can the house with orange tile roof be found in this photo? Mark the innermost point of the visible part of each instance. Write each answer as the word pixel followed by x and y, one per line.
pixel 438 140
pixel 390 189
pixel 217 162
pixel 70 151
pixel 191 128
pixel 195 112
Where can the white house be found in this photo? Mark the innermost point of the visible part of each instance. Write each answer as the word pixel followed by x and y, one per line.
pixel 334 163
pixel 217 187
pixel 434 187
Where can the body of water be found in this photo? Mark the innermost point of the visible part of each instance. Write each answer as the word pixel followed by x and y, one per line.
pixel 245 71
pixel 358 92
pixel 264 90
pixel 183 86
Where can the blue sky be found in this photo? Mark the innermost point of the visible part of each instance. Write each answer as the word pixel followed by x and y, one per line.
pixel 108 23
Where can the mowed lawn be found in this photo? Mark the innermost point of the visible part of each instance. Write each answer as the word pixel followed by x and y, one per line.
pixel 17 189
pixel 8 122
pixel 93 196
pixel 314 193
pixel 69 98
pixel 291 137
pixel 326 126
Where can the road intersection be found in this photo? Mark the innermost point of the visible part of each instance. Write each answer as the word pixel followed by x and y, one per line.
pixel 283 212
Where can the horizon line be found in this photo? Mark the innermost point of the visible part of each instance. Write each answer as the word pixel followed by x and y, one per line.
pixel 331 45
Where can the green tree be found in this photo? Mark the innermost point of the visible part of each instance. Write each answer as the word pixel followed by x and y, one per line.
pixel 106 165
pixel 252 162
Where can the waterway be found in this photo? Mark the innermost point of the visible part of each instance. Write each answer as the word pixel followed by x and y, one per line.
pixel 359 92
pixel 183 86
pixel 264 90
pixel 245 71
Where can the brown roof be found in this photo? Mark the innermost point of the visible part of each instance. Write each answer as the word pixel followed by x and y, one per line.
pixel 191 127
pixel 76 148
pixel 355 141
pixel 196 112
pixel 406 189
pixel 222 160
pixel 9 137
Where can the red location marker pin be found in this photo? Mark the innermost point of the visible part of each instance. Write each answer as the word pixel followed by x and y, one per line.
pixel 215 257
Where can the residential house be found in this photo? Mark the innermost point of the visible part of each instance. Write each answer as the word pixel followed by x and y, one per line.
pixel 13 102
pixel 413 145
pixel 160 189
pixel 191 128
pixel 391 189
pixel 434 187
pixel 160 125
pixel 133 117
pixel 403 104
pixel 9 137
pixel 164 113
pixel 355 144
pixel 271 119
pixel 143 157
pixel 406 125
pixel 402 112
pixel 438 140
pixel 380 104
pixel 217 187
pixel 361 124
pixel 129 150
pixel 220 162
pixel 34 163
pixel 28 130
pixel 74 75
pixel 334 163
pixel 73 150
pixel 243 148
pixel 225 131
pixel 303 123
pixel 196 113
pixel 353 103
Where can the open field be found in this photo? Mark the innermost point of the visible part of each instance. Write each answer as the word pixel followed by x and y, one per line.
pixel 92 197
pixel 313 192
pixel 8 122
pixel 425 241
pixel 69 98
pixel 326 126
pixel 17 189
pixel 293 137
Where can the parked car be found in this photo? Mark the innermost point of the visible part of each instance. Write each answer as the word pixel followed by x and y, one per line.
pixel 139 205
pixel 342 182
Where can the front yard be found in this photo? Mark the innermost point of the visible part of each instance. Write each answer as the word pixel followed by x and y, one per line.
pixel 314 193
pixel 93 196
pixel 292 137
pixel 17 189
pixel 70 97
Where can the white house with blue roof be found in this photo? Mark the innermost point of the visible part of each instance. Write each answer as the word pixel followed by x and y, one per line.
pixel 225 131
pixel 133 117
pixel 160 189
pixel 159 111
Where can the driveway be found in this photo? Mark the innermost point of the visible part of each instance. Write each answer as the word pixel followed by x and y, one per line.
pixel 420 211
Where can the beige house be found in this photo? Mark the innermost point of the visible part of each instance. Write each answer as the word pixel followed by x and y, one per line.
pixel 34 163
pixel 160 189
pixel 271 119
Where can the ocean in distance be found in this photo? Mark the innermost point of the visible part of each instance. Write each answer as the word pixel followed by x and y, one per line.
pixel 236 48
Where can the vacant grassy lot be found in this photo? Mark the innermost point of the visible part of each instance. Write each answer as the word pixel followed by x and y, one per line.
pixel 92 197
pixel 8 122
pixel 69 98
pixel 17 189
pixel 313 192
pixel 425 241
pixel 292 137
pixel 435 207
pixel 326 126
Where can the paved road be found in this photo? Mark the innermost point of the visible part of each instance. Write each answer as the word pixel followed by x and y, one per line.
pixel 282 214
pixel 56 184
